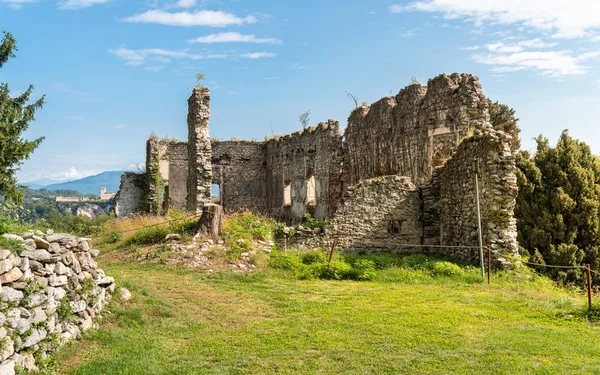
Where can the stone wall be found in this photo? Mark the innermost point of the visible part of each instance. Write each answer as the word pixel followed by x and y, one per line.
pixel 415 131
pixel 51 293
pixel 378 214
pixel 157 172
pixel 239 169
pixel 131 198
pixel 292 160
pixel 199 150
pixel 176 187
pixel 449 199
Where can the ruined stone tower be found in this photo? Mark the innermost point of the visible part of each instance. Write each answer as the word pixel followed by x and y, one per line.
pixel 199 150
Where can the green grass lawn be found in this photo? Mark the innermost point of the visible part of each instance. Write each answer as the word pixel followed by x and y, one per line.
pixel 189 322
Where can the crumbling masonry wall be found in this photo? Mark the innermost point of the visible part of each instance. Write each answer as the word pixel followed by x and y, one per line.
pixel 415 131
pixel 199 150
pixel 312 156
pixel 131 198
pixel 381 213
pixel 239 169
pixel 429 135
pixel 176 186
pixel 449 203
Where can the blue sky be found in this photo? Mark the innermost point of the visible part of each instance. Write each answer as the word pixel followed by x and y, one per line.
pixel 114 71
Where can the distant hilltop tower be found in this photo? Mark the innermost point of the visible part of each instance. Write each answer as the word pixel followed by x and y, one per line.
pixel 104 195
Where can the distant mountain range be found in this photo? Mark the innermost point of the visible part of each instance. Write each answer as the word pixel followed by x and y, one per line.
pixel 90 185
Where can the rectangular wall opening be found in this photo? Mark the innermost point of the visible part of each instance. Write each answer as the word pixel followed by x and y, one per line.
pixel 287 193
pixel 216 193
pixel 311 191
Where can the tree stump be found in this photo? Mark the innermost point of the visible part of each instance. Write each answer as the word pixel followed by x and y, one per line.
pixel 210 221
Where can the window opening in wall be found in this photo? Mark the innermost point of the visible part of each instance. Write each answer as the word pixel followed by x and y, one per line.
pixel 216 193
pixel 311 191
pixel 287 193
pixel 394 226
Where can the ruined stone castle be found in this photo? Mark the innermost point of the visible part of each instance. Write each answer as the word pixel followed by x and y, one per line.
pixel 400 174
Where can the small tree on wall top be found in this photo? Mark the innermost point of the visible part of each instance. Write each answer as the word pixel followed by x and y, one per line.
pixel 305 119
pixel 199 78
pixel 15 115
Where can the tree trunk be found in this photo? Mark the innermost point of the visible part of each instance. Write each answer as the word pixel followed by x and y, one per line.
pixel 210 221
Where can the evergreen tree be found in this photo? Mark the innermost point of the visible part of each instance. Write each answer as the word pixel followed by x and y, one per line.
pixel 502 117
pixel 15 115
pixel 558 206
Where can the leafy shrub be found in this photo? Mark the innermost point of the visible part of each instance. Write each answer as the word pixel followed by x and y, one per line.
pixel 5 224
pixel 284 261
pixel 382 261
pixel 416 261
pixel 362 269
pixel 446 269
pixel 310 222
pixel 313 257
pixel 148 236
pixel 337 270
pixel 11 245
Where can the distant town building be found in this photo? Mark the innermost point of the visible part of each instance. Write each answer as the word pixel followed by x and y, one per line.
pixel 106 195
pixel 72 199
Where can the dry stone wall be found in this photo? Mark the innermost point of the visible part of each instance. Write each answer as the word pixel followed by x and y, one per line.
pixel 131 198
pixel 199 150
pixel 378 214
pixel 292 160
pixel 415 131
pixel 239 169
pixel 51 291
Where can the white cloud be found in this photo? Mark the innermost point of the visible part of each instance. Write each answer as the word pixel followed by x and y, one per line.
pixel 200 18
pixel 549 63
pixel 73 174
pixel 258 55
pixel 79 4
pixel 73 118
pixel 472 48
pixel 186 3
pixel 229 37
pixel 158 55
pixel 17 4
pixel 563 19
pixel 120 126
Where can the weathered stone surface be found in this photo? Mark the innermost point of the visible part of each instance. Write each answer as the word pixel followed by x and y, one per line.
pixel 130 199
pixel 41 256
pixel 12 275
pixel 378 214
pixel 35 337
pixel 41 243
pixel 199 150
pixel 7 368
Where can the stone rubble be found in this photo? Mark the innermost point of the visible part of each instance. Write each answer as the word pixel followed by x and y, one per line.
pixel 50 293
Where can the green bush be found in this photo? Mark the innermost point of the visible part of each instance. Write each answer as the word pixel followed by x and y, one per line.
pixel 148 236
pixel 446 269
pixel 416 261
pixel 313 223
pixel 362 269
pixel 5 224
pixel 313 257
pixel 284 261
pixel 337 270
